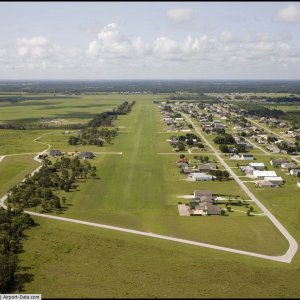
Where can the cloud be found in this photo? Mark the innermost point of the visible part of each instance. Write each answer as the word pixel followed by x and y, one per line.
pixel 226 37
pixel 180 14
pixel 35 47
pixel 289 14
pixel 113 52
pixel 111 44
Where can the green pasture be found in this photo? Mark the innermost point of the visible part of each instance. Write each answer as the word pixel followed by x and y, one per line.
pixel 13 169
pixel 88 262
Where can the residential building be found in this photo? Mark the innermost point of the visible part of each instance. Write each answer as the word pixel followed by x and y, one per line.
pixel 278 161
pixel 55 152
pixel 262 174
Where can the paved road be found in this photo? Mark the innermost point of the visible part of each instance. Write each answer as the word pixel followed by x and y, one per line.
pixel 258 147
pixel 293 245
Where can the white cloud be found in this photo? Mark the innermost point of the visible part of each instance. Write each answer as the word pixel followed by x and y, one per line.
pixel 226 37
pixel 289 14
pixel 180 14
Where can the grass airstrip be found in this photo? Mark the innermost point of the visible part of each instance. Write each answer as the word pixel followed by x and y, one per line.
pixel 139 189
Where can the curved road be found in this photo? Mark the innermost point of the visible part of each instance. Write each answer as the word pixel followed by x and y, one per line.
pixel 293 245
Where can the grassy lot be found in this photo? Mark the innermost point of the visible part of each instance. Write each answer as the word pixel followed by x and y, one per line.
pixel 20 141
pixel 88 262
pixel 139 190
pixel 13 169
pixel 79 109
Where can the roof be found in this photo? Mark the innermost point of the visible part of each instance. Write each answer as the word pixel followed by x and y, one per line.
pixel 202 193
pixel 279 160
pixel 247 155
pixel 264 183
pixel 288 165
pixel 256 164
pixel 275 178
pixel 257 173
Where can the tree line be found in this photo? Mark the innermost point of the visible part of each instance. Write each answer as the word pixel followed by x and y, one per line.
pixel 93 136
pixel 13 224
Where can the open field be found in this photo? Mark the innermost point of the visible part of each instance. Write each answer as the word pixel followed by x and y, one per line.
pixel 143 267
pixel 13 169
pixel 79 109
pixel 139 189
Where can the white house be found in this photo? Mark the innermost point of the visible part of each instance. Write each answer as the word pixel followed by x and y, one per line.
pixel 262 174
pixel 201 177
pixel 274 180
pixel 294 172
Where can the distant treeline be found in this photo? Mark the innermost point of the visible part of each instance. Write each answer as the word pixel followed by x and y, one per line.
pixel 261 111
pixel 283 99
pixel 190 97
pixel 15 99
pixel 152 86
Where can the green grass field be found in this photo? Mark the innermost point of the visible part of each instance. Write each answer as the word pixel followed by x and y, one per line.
pixel 139 189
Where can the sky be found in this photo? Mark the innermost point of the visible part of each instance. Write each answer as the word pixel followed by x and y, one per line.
pixel 150 40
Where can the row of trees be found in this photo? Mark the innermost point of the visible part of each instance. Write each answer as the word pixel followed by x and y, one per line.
pixel 106 118
pixel 94 136
pixel 39 188
pixel 13 224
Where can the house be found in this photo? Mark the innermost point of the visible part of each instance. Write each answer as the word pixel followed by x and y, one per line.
pixel 264 183
pixel 206 208
pixel 257 166
pixel 238 128
pixel 201 177
pixel 246 156
pixel 86 155
pixel 294 172
pixel 275 180
pixel 288 165
pixel 278 161
pixel 55 152
pixel 273 148
pixel 199 193
pixel 207 167
pixel 187 170
pixel 247 170
pixel 262 174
